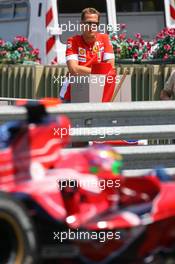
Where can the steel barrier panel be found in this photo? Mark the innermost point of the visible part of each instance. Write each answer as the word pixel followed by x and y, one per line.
pixel 148 114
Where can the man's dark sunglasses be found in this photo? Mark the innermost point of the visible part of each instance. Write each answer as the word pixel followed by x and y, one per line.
pixel 90 23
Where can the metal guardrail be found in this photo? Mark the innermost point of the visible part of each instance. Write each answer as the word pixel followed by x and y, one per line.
pixel 35 81
pixel 119 114
pixel 134 120
pixel 106 114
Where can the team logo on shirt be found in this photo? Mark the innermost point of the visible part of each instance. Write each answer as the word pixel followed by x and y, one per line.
pixel 96 47
pixel 82 52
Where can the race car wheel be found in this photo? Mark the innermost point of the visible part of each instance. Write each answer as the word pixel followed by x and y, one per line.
pixel 18 243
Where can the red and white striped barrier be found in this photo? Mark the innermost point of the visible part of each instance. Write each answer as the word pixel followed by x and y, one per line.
pixel 51 22
pixel 172 9
pixel 170 12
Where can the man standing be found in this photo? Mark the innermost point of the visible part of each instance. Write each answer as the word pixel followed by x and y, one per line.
pixel 84 50
pixel 169 90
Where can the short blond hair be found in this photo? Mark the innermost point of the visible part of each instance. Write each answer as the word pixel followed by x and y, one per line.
pixel 89 10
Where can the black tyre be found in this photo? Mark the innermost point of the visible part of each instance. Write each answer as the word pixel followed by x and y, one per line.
pixel 18 243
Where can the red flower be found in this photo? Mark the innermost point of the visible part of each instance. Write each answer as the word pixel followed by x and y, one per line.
pixel 20 49
pixel 123 26
pixel 165 57
pixel 142 42
pixel 148 45
pixel 135 55
pixel 171 31
pixel 160 36
pixel 130 40
pixel 118 50
pixel 35 52
pixel 167 47
pixel 30 46
pixel 138 35
pixel 2 42
pixel 20 39
pixel 122 36
pixel 145 56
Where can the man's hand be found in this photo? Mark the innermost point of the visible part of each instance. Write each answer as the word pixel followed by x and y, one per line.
pixel 76 69
pixel 165 95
